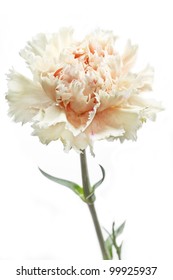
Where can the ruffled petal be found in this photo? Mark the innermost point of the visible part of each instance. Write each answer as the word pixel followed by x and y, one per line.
pixel 49 84
pixel 50 116
pixel 149 107
pixel 113 99
pixel 58 131
pixel 144 79
pixel 115 123
pixel 129 56
pixel 42 53
pixel 25 97
pixel 50 133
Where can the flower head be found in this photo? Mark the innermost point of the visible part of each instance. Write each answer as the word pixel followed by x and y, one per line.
pixel 81 91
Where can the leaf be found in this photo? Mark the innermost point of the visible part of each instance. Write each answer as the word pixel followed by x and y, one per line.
pixel 71 185
pixel 120 229
pixel 109 246
pixel 111 241
pixel 96 185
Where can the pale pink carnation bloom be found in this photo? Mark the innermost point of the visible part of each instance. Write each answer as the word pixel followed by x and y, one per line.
pixel 81 91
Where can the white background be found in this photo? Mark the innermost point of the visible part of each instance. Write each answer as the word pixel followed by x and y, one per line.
pixel 42 220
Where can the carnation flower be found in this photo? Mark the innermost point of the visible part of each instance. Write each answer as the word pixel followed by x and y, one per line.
pixel 81 92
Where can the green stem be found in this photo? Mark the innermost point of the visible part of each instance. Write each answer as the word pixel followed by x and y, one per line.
pixel 90 198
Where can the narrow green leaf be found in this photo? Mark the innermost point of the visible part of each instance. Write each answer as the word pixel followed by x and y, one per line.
pixel 109 246
pixel 96 185
pixel 120 229
pixel 120 247
pixel 111 241
pixel 71 185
